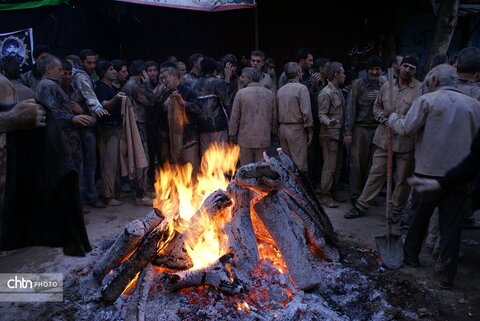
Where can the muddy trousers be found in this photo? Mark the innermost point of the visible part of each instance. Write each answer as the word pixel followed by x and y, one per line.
pixel 451 218
pixel 251 155
pixel 361 154
pixel 404 163
pixel 332 159
pixel 109 149
pixel 293 141
pixel 206 139
pixel 89 153
pixel 140 178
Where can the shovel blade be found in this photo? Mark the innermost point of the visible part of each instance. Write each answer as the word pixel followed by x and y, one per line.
pixel 390 249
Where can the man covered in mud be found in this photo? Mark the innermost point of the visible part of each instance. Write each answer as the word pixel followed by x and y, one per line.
pixel 254 118
pixel 445 122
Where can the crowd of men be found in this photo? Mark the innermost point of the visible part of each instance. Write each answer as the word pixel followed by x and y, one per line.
pixel 333 120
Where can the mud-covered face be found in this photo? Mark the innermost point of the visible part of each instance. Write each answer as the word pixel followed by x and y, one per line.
pixel 374 73
pixel 407 71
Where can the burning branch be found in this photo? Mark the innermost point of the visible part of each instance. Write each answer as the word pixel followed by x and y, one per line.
pixel 136 262
pixel 137 301
pixel 126 243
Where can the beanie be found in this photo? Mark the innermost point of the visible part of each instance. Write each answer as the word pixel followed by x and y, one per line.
pixel 374 61
pixel 410 60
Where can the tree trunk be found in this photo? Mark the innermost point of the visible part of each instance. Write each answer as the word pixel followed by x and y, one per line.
pixel 447 17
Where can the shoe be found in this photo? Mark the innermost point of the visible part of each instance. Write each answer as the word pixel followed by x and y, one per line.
pixel 97 204
pixel 144 201
pixel 328 202
pixel 354 213
pixel 113 202
pixel 411 262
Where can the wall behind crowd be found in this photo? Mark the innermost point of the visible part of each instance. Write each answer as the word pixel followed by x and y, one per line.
pixel 329 28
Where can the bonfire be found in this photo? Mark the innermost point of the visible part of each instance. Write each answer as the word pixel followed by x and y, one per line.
pixel 224 230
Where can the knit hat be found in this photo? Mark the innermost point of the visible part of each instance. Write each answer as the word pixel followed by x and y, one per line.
pixel 410 60
pixel 374 61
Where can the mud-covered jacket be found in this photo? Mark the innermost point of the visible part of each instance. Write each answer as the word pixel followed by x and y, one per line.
pixel 212 96
pixel 330 106
pixel 360 105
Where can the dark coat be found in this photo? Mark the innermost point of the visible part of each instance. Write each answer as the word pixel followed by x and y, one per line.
pixel 42 198
pixel 466 170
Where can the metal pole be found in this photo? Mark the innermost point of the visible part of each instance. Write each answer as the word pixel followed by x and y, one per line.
pixel 257 41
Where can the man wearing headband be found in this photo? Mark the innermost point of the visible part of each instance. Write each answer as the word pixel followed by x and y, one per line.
pixel 405 90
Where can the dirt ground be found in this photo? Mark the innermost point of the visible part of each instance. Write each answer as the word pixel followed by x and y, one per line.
pixel 414 289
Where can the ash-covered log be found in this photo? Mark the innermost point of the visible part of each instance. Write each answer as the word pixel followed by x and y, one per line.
pixel 136 262
pixel 242 242
pixel 302 194
pixel 135 309
pixel 287 231
pixel 218 275
pixel 125 244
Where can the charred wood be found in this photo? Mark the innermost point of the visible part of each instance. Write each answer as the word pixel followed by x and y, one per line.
pixel 303 195
pixel 136 262
pixel 135 309
pixel 288 233
pixel 241 236
pixel 124 245
pixel 217 275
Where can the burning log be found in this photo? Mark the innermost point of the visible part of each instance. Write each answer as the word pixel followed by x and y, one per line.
pixel 258 177
pixel 218 275
pixel 302 194
pixel 174 255
pixel 313 231
pixel 136 262
pixel 241 236
pixel 126 243
pixel 135 310
pixel 288 233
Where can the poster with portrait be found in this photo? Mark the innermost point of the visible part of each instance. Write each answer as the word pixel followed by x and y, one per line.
pixel 18 44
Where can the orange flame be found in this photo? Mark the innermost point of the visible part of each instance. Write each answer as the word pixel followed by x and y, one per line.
pixel 180 195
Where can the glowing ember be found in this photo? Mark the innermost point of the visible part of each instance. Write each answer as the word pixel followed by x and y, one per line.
pixel 180 195
pixel 131 285
pixel 242 306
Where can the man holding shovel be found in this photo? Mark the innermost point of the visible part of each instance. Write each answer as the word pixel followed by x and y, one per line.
pixel 405 90
pixel 445 122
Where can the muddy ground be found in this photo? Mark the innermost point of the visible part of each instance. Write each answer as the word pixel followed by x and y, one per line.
pixel 410 293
